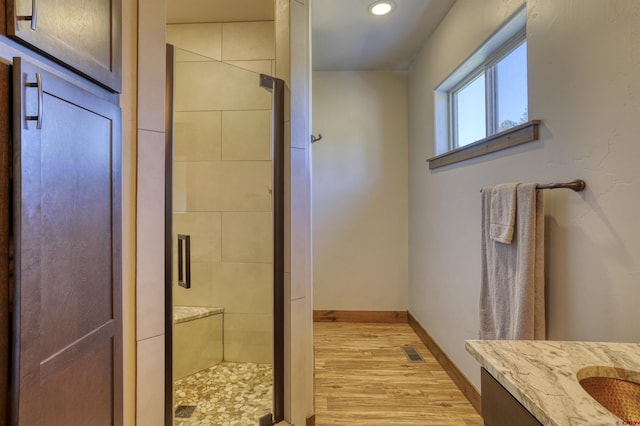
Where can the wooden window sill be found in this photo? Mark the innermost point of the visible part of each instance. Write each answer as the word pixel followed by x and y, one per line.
pixel 523 133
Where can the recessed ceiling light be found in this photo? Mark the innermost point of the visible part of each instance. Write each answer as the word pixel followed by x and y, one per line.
pixel 381 7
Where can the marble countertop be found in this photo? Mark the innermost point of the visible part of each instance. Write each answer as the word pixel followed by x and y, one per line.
pixel 543 375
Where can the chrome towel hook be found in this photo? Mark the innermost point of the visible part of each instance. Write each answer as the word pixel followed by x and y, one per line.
pixel 316 139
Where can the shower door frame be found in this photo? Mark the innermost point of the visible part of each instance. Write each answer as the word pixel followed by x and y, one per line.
pixel 276 87
pixel 168 239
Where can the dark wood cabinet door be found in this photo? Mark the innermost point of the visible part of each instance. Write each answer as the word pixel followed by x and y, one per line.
pixel 5 235
pixel 67 308
pixel 84 35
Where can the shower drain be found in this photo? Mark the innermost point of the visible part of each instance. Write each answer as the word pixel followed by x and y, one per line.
pixel 185 411
pixel 412 353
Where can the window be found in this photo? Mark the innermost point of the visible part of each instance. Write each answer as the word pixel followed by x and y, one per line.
pixel 491 99
pixel 484 97
pixel 468 112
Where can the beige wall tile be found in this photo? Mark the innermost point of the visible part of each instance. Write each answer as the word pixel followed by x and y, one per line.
pixel 287 298
pixel 247 237
pixel 150 225
pixel 300 80
pixel 203 39
pixel 287 112
pixel 301 359
pixel 248 338
pixel 150 382
pixel 151 66
pixel 260 67
pixel 150 308
pixel 283 40
pixel 179 188
pixel 244 287
pixel 201 291
pixel 226 88
pixel 197 345
pixel 248 41
pixel 288 344
pixel 246 135
pixel 205 231
pixel 287 205
pixel 300 222
pixel 197 136
pixel 181 55
pixel 229 186
pixel 299 128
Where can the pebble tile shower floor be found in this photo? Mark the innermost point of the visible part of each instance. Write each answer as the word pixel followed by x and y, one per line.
pixel 229 393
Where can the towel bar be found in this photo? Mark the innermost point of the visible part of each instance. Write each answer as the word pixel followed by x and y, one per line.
pixel 577 185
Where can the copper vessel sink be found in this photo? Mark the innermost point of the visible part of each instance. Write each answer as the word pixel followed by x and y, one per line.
pixel 619 396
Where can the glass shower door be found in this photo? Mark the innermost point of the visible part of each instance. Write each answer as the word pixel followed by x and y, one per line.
pixel 223 239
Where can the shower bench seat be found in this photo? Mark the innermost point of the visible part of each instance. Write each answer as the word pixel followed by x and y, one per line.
pixel 190 313
pixel 197 339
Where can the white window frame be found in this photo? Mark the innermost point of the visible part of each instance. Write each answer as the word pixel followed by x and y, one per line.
pixel 498 46
pixel 491 103
pixel 453 105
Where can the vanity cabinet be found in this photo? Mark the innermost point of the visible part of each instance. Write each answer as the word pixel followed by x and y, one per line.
pixel 500 408
pixel 82 35
pixel 67 229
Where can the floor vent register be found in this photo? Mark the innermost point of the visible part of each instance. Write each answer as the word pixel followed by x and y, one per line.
pixel 412 353
pixel 185 411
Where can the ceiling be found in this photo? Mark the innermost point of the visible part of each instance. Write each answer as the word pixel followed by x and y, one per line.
pixel 345 35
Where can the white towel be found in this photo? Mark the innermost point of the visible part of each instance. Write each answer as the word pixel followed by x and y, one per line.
pixel 512 288
pixel 503 212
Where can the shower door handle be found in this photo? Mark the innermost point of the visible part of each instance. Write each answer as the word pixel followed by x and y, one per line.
pixel 184 261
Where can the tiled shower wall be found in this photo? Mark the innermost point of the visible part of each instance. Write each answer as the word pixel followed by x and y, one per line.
pixel 223 177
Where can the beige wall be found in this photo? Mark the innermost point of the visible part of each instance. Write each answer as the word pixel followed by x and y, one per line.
pixel 360 190
pixel 583 85
pixel 223 178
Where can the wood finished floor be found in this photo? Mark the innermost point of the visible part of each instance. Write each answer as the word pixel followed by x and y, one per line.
pixel 362 377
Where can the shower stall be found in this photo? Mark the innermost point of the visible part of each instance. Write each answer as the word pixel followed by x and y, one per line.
pixel 224 231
